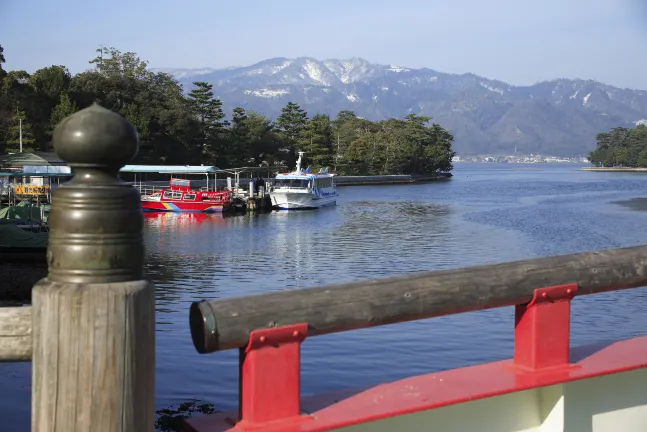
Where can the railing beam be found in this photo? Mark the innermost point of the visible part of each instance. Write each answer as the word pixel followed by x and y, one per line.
pixel 15 334
pixel 226 323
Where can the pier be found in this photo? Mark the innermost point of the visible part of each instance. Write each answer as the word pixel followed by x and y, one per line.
pixel 90 331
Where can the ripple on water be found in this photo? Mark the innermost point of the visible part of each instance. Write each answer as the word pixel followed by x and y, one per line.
pixel 484 214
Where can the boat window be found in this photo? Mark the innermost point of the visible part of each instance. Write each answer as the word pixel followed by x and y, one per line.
pixel 292 183
pixel 189 197
pixel 180 182
pixel 324 183
pixel 172 195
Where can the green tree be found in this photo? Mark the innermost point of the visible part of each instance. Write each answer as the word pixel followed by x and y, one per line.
pixel 264 141
pixel 2 61
pixel 317 141
pixel 210 117
pixel 344 132
pixel 615 148
pixel 64 108
pixel 20 131
pixel 292 122
pixel 359 156
pixel 51 81
pixel 154 102
pixel 238 151
pixel 253 139
pixel 291 125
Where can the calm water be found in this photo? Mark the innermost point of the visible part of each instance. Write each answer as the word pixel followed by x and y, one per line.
pixel 485 214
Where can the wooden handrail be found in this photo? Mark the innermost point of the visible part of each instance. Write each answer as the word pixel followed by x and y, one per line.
pixel 15 334
pixel 226 323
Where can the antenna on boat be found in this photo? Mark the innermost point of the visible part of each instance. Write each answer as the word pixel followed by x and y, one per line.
pixel 299 162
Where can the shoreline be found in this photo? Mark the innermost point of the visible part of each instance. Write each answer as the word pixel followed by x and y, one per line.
pixel 614 169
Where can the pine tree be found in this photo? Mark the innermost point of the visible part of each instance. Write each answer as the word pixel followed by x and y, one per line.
pixel 13 140
pixel 291 124
pixel 238 150
pixel 210 117
pixel 64 108
pixel 317 142
pixel 2 60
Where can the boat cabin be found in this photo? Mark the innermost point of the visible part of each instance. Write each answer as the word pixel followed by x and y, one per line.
pixel 180 190
pixel 303 181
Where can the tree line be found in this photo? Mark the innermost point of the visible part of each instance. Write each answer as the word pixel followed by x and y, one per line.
pixel 621 147
pixel 186 129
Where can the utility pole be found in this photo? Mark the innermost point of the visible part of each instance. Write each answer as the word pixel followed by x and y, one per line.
pixel 337 153
pixel 20 136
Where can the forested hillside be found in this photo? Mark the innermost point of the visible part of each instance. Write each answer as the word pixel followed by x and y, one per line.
pixel 621 147
pixel 191 128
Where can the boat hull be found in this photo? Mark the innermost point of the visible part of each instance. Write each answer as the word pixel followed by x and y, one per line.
pixel 181 207
pixel 301 201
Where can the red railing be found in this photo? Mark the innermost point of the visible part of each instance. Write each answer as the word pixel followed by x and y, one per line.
pixel 269 328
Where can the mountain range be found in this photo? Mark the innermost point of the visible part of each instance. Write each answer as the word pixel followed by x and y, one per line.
pixel 559 117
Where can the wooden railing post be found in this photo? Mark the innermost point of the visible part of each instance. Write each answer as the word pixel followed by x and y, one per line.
pixel 94 315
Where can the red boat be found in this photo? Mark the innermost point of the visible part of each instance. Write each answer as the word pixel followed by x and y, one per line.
pixel 179 197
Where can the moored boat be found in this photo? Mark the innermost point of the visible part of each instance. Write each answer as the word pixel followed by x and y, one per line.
pixel 179 197
pixel 302 189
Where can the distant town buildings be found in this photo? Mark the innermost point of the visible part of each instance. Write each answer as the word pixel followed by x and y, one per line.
pixel 520 159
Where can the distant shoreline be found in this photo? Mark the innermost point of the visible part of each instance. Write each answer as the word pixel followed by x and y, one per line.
pixel 614 169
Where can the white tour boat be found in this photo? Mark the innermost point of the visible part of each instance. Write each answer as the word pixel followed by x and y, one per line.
pixel 302 189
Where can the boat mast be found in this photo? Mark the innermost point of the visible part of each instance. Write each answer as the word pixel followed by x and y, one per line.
pixel 299 162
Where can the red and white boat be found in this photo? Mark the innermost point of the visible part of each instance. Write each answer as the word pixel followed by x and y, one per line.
pixel 179 197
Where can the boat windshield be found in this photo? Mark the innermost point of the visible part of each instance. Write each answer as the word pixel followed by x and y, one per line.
pixel 292 183
pixel 181 183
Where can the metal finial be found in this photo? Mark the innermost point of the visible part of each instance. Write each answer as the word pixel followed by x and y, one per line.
pixel 97 137
pixel 96 219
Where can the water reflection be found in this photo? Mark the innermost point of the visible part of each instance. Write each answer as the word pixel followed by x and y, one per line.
pixel 479 217
pixel 484 214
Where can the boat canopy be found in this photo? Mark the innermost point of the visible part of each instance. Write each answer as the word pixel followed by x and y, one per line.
pixel 171 169
pixel 31 174
pixel 305 174
pixel 295 176
pixel 46 169
pixel 13 236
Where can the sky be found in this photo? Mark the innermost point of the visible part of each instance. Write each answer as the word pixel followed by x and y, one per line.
pixel 520 42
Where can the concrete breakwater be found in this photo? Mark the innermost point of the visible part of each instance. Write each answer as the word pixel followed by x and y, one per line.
pixel 388 179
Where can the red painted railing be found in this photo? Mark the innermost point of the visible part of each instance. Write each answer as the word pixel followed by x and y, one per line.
pixel 270 359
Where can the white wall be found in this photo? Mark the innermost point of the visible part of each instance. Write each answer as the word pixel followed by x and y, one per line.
pixel 612 403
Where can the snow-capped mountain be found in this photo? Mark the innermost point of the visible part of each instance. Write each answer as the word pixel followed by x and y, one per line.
pixel 559 117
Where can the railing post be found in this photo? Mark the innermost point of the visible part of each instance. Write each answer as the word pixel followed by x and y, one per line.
pixel 94 314
pixel 270 370
pixel 542 329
